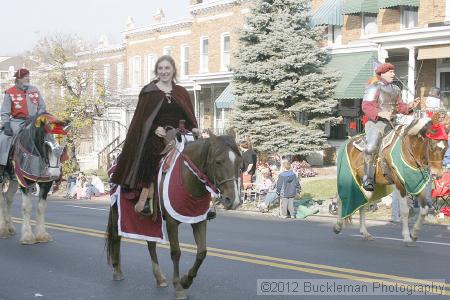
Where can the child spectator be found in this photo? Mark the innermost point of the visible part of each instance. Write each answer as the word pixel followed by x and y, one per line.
pixel 288 187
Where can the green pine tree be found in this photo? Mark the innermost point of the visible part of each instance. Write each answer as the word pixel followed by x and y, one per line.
pixel 280 74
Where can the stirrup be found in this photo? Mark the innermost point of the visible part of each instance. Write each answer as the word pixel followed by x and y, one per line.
pixel 211 215
pixel 147 210
pixel 368 186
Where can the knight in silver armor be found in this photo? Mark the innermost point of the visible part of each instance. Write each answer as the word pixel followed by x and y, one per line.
pixel 20 102
pixel 381 102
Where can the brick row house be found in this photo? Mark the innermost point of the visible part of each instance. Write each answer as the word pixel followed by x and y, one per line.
pixel 414 35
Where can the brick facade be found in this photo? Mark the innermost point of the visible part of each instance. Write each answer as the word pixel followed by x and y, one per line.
pixel 388 20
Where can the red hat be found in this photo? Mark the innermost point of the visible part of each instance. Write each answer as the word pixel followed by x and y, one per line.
pixel 437 132
pixel 383 68
pixel 21 73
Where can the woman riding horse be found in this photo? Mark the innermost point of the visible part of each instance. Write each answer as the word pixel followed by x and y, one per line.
pixel 161 103
pixel 215 160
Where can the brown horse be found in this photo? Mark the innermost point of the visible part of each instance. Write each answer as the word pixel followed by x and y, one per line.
pixel 414 149
pixel 218 157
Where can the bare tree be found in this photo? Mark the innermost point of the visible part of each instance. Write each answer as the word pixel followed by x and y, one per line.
pixel 67 71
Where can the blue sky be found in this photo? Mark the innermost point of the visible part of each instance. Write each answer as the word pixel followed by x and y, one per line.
pixel 24 21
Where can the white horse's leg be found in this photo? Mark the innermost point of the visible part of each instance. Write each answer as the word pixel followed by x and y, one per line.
pixel 362 224
pixel 340 221
pixel 423 212
pixel 4 232
pixel 42 236
pixel 10 194
pixel 7 227
pixel 404 215
pixel 27 236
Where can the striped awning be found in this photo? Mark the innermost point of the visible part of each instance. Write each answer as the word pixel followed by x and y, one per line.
pixel 356 68
pixel 434 52
pixel 226 99
pixel 359 6
pixel 328 14
pixel 396 3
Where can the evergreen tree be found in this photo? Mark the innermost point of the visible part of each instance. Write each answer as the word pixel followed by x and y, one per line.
pixel 279 72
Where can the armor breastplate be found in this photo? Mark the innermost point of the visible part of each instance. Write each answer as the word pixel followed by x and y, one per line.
pixel 387 99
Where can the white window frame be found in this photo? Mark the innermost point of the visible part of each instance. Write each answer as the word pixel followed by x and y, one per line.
pixel 365 31
pixel 136 71
pixel 94 83
pixel 225 56
pixel 150 66
pixel 106 75
pixel 184 60
pixel 404 17
pixel 120 69
pixel 334 35
pixel 447 10
pixel 167 50
pixel 204 57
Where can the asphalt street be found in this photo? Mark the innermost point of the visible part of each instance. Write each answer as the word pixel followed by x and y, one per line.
pixel 246 251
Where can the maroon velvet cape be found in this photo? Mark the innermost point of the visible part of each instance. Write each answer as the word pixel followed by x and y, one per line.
pixel 135 156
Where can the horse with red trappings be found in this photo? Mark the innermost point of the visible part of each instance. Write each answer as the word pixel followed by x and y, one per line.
pixel 35 158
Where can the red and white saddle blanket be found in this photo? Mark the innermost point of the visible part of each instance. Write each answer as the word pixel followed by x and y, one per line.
pixel 179 203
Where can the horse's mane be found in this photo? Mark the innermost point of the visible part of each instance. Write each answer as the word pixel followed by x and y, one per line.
pixel 32 137
pixel 230 142
pixel 417 126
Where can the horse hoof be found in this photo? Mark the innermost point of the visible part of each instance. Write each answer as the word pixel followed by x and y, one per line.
pixel 368 238
pixel 12 231
pixel 44 238
pixel 414 238
pixel 161 284
pixel 118 276
pixel 185 282
pixel 180 295
pixel 4 233
pixel 337 229
pixel 410 244
pixel 28 241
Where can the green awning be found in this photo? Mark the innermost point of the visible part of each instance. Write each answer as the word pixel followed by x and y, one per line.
pixel 226 99
pixel 359 6
pixel 328 14
pixel 356 68
pixel 396 3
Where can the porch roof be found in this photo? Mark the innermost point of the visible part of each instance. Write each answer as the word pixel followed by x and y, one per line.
pixel 396 3
pixel 226 99
pixel 359 6
pixel 328 14
pixel 356 68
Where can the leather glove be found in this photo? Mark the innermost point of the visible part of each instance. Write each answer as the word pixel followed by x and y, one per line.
pixel 7 130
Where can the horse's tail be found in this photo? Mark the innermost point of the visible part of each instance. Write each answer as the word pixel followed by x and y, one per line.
pixel 112 234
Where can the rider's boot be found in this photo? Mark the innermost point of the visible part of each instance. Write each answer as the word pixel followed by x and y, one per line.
pixel 2 171
pixel 145 204
pixel 369 172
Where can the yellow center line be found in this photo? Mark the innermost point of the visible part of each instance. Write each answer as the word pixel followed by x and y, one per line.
pixel 276 262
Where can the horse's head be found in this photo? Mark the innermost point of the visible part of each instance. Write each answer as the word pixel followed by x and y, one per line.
pixel 427 141
pixel 224 162
pixel 45 127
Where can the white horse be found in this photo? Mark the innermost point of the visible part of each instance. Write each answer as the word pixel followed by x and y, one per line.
pixel 36 159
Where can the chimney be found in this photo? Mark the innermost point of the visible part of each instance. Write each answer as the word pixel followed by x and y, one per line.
pixel 159 16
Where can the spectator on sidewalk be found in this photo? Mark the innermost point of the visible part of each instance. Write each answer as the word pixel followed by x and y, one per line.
pixel 95 187
pixel 70 187
pixel 288 187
